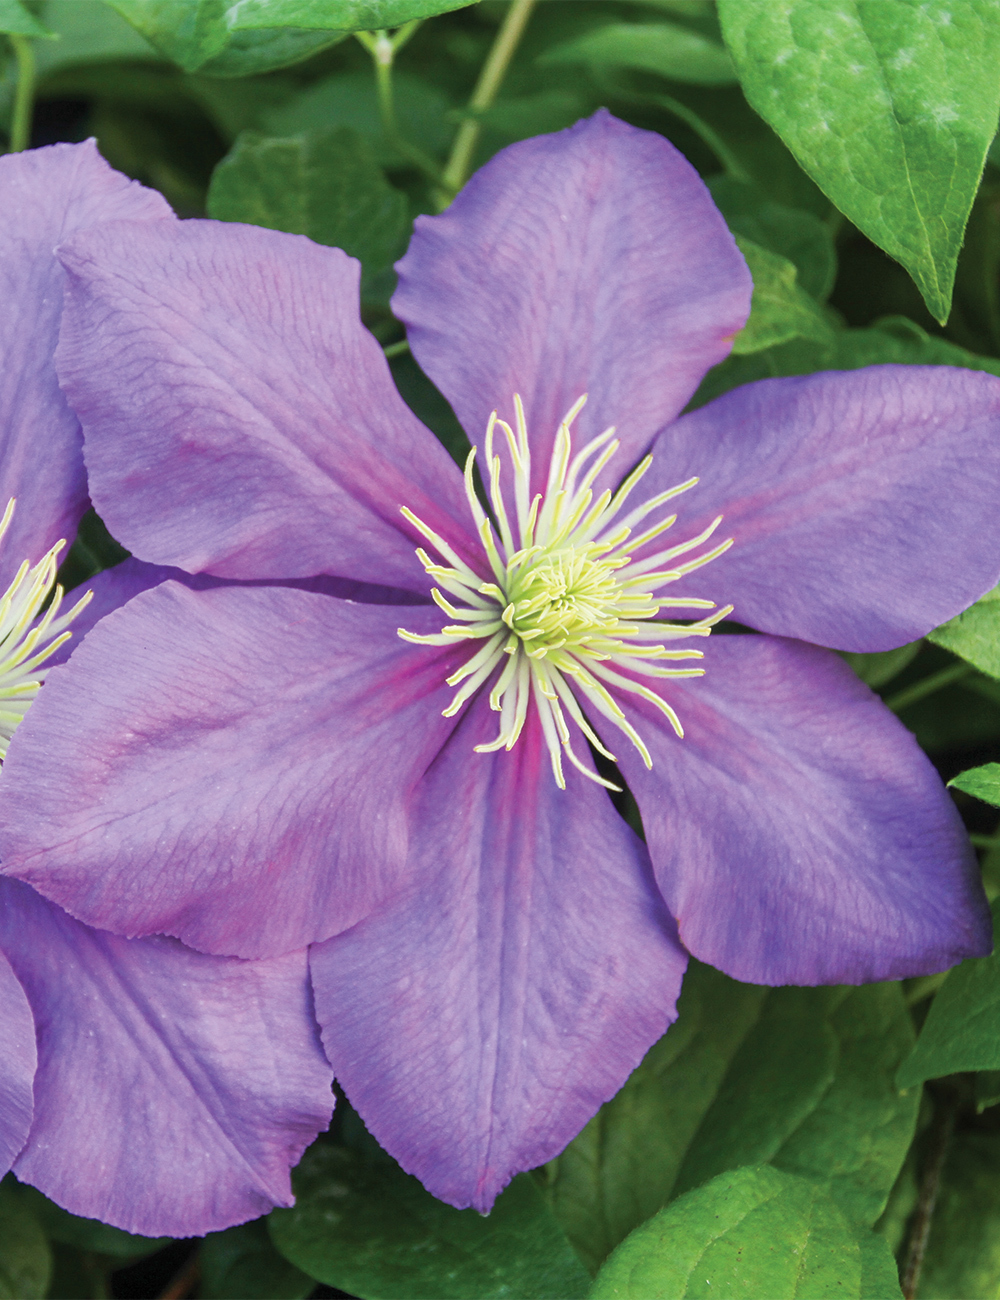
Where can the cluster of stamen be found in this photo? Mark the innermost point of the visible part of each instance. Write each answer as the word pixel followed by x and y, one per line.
pixel 28 637
pixel 568 613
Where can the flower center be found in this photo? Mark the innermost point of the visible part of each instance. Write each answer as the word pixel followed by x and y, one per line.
pixel 562 598
pixel 569 613
pixel 27 640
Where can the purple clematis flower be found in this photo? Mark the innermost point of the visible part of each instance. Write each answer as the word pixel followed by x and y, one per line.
pixel 141 1082
pixel 407 783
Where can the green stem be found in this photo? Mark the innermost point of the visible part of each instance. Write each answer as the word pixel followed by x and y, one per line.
pixel 927 686
pixel 459 163
pixel 24 98
pixel 383 49
pixel 396 349
pixel 930 1183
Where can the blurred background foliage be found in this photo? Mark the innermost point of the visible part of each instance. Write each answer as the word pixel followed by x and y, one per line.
pixel 272 112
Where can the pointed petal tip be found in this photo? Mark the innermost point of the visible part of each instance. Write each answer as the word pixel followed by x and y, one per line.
pixel 591 259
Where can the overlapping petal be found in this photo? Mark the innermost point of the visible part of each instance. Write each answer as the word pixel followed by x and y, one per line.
pixel 238 417
pixel 174 1091
pixel 478 1020
pixel 863 504
pixel 240 780
pixel 798 833
pixel 48 194
pixel 258 767
pixel 592 260
pixel 18 1059
pixel 111 588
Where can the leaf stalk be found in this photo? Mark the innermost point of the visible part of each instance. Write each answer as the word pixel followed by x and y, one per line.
pixel 383 48
pixel 24 97
pixel 494 70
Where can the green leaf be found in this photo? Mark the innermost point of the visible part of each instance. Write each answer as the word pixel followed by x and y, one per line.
pixel 364 1226
pixel 755 152
pixel 663 48
pixel 242 1264
pixel 78 1274
pixel 752 1232
pixel 325 184
pixel 781 309
pixel 983 782
pixel 344 15
pixel 963 1250
pixel 247 53
pixel 878 667
pixel 898 339
pixel 894 339
pixel 350 99
pixel 792 233
pixel 962 1029
pixel 812 1091
pixel 88 33
pixel 890 107
pixel 25 1257
pixel 782 1071
pixel 987 1089
pixel 88 1234
pixel 539 114
pixel 801 1078
pixel 15 20
pixel 856 1138
pixel 879 1271
pixel 622 1167
pixel 974 634
pixel 685 8
pixel 198 35
pixel 239 38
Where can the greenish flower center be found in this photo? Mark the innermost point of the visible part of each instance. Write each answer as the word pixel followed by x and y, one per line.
pixel 561 598
pixel 569 613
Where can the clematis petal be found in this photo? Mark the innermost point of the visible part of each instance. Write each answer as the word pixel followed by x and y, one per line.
pixel 798 833
pixel 862 503
pixel 592 260
pixel 239 780
pixel 174 1090
pixel 48 194
pixel 478 1020
pixel 18 1060
pixel 113 587
pixel 238 417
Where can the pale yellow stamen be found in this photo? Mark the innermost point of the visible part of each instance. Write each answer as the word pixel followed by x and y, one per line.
pixel 29 637
pixel 569 614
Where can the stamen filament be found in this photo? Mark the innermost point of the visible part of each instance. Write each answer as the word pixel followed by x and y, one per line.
pixel 32 629
pixel 572 618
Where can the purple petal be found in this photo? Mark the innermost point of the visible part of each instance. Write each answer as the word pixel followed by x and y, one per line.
pixel 48 194
pixel 238 417
pixel 863 504
pixel 592 260
pixel 174 1091
pixel 113 587
pixel 230 766
pixel 18 1060
pixel 798 833
pixel 478 1021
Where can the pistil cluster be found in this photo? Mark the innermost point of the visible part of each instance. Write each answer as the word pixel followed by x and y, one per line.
pixel 28 637
pixel 568 613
